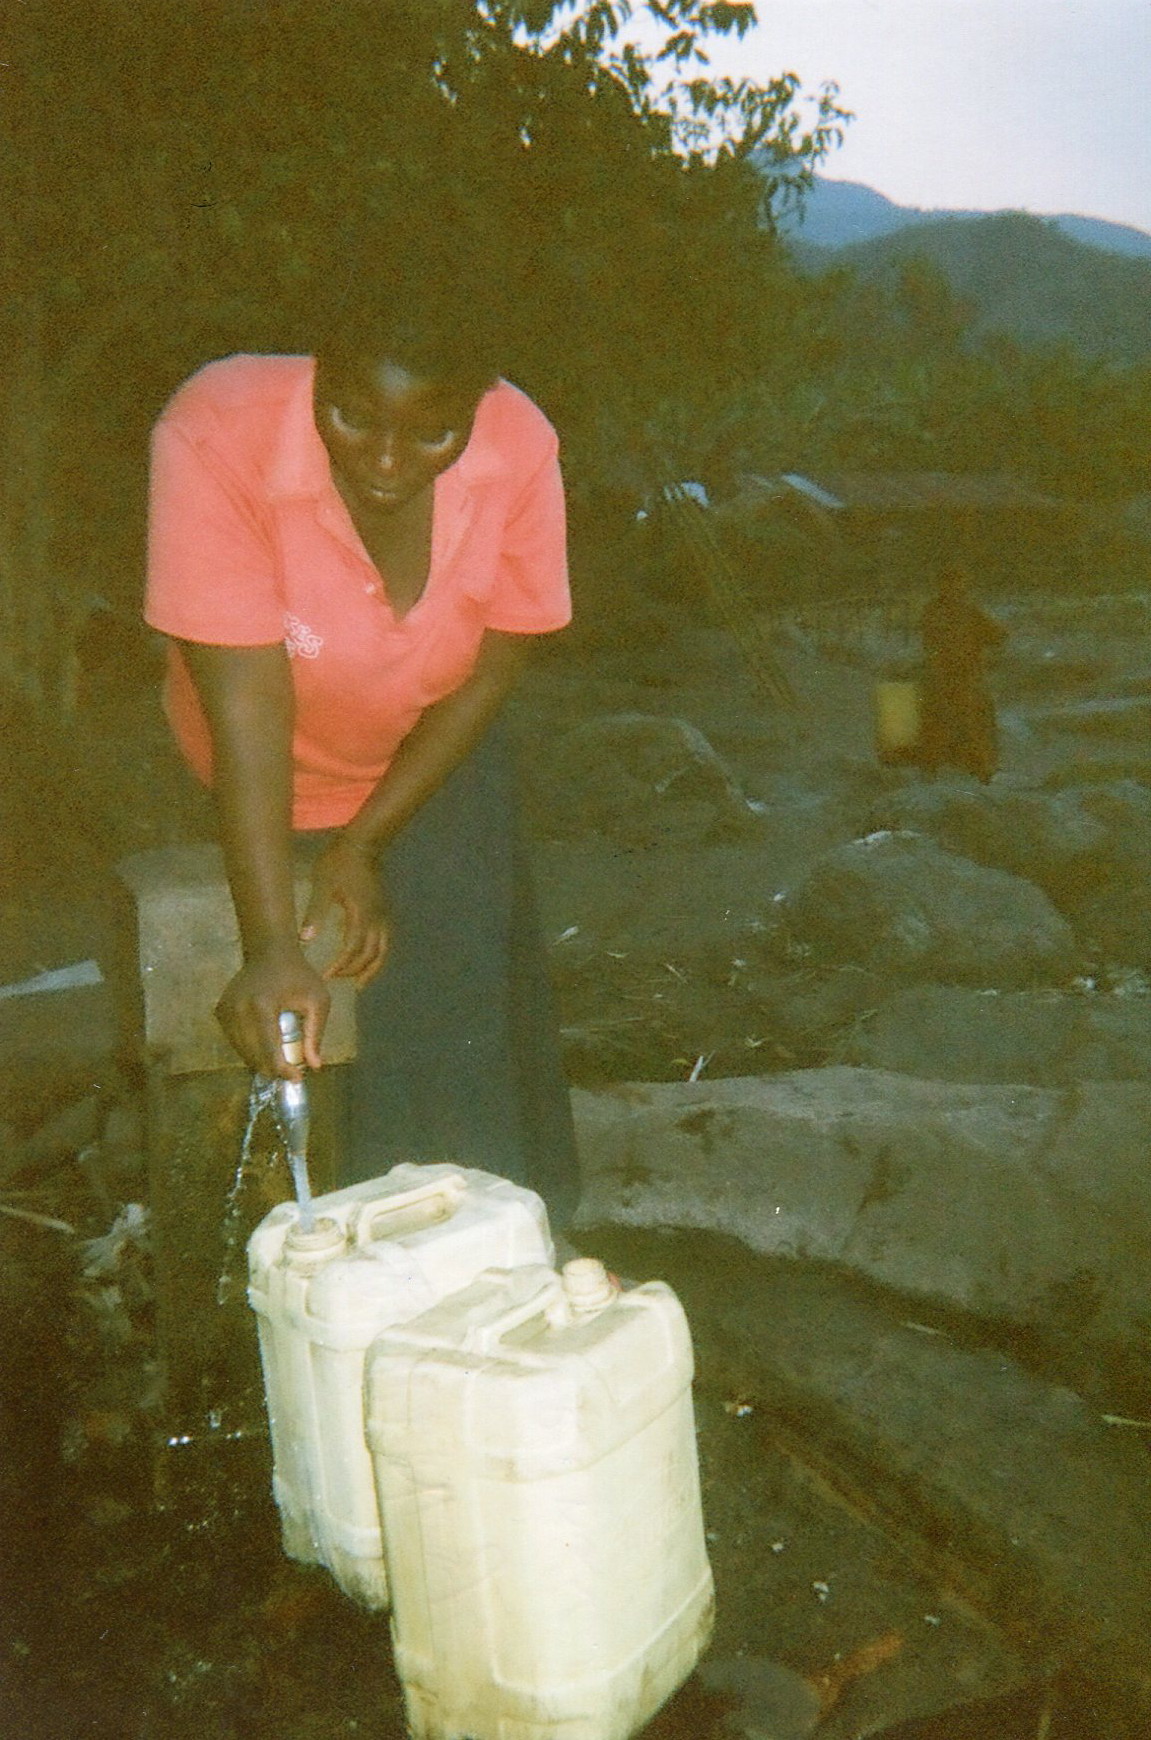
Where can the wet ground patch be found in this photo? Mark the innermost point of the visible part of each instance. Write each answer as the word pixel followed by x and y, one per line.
pixel 149 1598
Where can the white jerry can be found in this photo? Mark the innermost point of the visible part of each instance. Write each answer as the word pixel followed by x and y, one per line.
pixel 380 1253
pixel 535 1455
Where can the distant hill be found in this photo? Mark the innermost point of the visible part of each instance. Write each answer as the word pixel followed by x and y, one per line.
pixel 836 214
pixel 1024 276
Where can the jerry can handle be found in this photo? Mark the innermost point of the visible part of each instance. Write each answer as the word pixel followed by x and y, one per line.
pixel 548 1302
pixel 407 1211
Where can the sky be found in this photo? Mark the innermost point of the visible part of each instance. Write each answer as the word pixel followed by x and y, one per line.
pixel 1037 105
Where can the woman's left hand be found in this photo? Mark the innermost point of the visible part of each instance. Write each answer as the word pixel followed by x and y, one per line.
pixel 345 875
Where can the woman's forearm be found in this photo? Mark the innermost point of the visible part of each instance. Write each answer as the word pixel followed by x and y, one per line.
pixel 439 742
pixel 246 693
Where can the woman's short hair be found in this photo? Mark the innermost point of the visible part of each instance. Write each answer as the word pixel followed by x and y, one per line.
pixel 434 317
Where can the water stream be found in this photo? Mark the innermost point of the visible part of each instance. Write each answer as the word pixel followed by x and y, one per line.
pixel 293 1115
pixel 263 1096
pixel 298 1165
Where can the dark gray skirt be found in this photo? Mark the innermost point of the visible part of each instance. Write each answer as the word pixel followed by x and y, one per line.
pixel 458 1051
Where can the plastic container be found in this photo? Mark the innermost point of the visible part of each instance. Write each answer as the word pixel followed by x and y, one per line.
pixel 897 719
pixel 535 1455
pixel 380 1253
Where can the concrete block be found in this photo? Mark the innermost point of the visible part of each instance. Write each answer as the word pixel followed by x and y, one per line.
pixel 1013 1202
pixel 187 948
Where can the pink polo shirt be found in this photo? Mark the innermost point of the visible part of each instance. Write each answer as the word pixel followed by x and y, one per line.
pixel 250 543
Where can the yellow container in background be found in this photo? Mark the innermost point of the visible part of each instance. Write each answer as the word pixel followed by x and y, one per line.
pixel 897 718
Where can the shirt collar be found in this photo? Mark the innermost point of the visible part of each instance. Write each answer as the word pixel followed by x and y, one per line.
pixel 299 461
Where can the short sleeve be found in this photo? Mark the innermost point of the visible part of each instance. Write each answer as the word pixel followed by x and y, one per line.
pixel 531 593
pixel 211 556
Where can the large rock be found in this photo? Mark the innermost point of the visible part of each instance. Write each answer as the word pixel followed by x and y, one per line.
pixel 897 903
pixel 1088 846
pixel 1049 668
pixel 1128 716
pixel 1111 910
pixel 1014 1203
pixel 1045 1038
pixel 1049 838
pixel 1123 806
pixel 1097 765
pixel 1113 919
pixel 646 779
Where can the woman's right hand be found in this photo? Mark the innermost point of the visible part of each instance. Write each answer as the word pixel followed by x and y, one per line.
pixel 249 1011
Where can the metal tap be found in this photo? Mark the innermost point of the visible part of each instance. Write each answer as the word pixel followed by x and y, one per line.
pixel 292 1107
pixel 294 1114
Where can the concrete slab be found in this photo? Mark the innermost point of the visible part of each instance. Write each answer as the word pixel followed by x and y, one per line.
pixel 1010 1202
pixel 187 948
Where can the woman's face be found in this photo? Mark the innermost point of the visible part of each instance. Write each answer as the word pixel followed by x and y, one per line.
pixel 388 433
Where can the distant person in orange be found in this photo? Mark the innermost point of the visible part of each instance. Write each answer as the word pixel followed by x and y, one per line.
pixel 958 727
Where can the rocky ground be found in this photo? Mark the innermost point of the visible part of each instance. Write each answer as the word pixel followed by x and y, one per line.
pixel 861 1068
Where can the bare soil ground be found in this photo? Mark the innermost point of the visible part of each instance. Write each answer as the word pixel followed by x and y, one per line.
pixel 132 1619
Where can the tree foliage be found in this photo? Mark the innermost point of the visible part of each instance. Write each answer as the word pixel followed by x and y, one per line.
pixel 183 181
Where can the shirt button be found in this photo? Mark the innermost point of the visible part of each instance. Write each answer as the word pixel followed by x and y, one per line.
pixel 369 587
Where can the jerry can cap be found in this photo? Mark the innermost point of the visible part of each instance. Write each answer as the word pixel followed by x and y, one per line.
pixel 310 1247
pixel 587 1285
